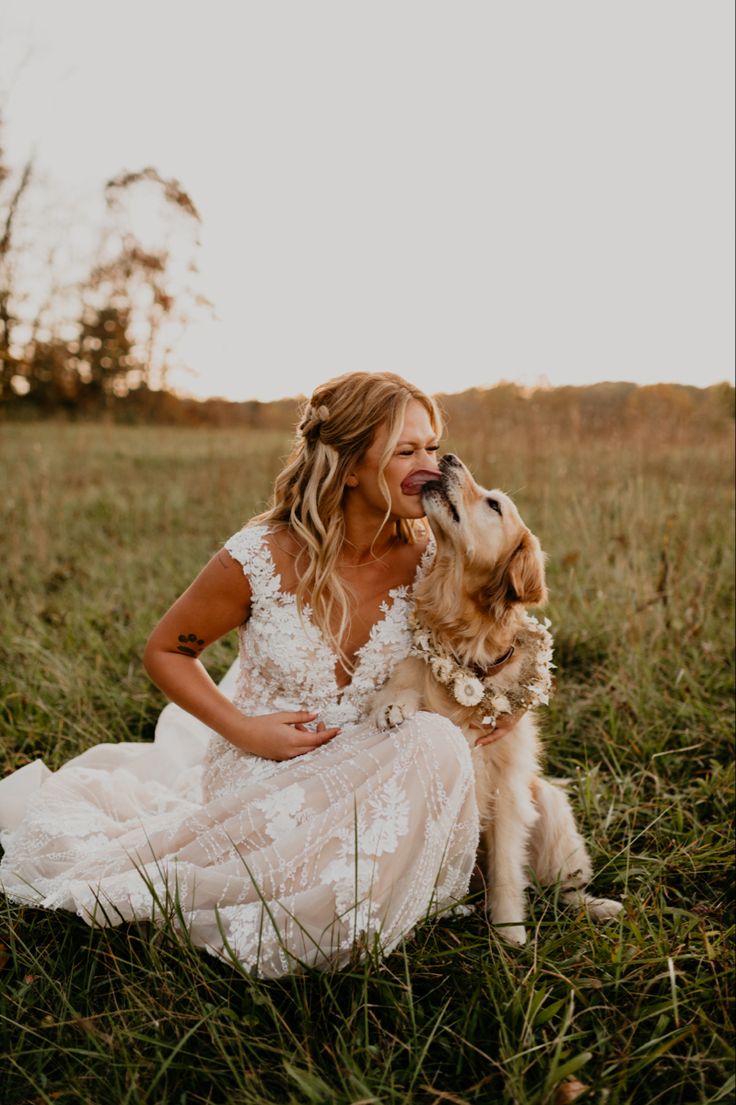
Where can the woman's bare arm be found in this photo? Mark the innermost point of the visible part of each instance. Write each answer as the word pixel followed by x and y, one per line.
pixel 217 601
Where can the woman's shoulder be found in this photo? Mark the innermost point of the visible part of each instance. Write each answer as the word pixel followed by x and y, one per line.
pixel 249 544
pixel 284 548
pixel 252 547
pixel 272 542
pixel 250 533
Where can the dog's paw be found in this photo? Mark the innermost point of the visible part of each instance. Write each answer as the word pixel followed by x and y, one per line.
pixel 603 909
pixel 507 913
pixel 600 909
pixel 512 934
pixel 387 715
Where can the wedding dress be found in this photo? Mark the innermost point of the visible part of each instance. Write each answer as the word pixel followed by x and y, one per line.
pixel 279 864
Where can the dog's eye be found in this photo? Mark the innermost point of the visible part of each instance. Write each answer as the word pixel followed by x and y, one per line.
pixel 495 505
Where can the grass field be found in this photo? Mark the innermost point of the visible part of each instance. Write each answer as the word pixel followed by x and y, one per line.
pixel 104 526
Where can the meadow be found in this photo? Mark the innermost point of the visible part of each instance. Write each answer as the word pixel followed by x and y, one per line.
pixel 103 526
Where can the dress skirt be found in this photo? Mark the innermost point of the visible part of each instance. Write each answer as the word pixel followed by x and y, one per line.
pixel 278 865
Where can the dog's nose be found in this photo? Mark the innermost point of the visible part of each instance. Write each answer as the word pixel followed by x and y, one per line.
pixel 450 459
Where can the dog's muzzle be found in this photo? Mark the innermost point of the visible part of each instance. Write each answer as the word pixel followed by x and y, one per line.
pixel 450 469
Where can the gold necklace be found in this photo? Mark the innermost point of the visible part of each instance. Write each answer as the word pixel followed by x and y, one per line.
pixel 375 560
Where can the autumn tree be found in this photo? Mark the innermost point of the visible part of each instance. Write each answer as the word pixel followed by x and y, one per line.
pixel 148 277
pixel 86 340
pixel 13 188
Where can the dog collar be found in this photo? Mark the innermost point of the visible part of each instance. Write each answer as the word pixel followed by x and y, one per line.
pixel 530 688
pixel 496 666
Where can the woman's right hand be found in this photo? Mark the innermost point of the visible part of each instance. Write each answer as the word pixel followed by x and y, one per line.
pixel 283 735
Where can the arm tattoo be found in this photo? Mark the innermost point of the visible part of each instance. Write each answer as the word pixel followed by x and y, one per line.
pixel 190 644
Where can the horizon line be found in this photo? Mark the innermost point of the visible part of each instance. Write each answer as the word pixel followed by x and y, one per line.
pixel 526 389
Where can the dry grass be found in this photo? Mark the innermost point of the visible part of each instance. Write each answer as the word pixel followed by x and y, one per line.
pixel 103 527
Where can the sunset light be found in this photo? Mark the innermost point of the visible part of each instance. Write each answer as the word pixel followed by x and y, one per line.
pixel 497 192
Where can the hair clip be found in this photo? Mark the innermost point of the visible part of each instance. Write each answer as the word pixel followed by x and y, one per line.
pixel 313 418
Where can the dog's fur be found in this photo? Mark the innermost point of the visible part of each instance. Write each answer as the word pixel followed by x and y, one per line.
pixel 488 568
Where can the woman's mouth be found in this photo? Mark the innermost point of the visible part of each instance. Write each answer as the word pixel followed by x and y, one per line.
pixel 413 484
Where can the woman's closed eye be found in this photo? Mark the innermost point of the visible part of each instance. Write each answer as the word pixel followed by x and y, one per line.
pixel 410 452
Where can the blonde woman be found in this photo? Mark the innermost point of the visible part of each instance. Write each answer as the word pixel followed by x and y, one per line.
pixel 269 817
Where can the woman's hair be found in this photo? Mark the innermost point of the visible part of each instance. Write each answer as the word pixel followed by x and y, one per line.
pixel 336 428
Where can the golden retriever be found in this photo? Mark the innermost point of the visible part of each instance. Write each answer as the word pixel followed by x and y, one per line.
pixel 488 567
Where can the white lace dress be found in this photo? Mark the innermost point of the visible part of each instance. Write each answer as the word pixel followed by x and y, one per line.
pixel 281 864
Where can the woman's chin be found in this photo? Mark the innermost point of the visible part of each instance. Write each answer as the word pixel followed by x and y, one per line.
pixel 410 507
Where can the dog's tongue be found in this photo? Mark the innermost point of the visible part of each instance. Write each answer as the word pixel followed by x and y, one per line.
pixel 416 481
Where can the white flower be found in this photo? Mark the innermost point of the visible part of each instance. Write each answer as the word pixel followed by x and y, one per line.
pixel 539 694
pixel 501 704
pixel 488 720
pixel 442 668
pixel 467 690
pixel 422 641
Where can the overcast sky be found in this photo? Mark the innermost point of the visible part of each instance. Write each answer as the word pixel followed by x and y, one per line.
pixel 460 192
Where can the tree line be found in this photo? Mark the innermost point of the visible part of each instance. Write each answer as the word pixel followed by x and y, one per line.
pixel 100 343
pixel 80 342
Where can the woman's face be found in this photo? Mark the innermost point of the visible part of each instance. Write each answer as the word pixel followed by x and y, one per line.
pixel 415 453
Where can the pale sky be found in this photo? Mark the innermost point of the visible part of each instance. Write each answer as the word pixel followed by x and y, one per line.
pixel 460 192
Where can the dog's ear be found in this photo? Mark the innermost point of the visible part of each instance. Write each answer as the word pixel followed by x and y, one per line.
pixel 519 578
pixel 525 573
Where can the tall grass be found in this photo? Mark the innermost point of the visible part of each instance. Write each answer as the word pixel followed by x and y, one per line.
pixel 103 527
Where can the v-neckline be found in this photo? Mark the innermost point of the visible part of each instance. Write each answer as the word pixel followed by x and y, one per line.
pixel 359 656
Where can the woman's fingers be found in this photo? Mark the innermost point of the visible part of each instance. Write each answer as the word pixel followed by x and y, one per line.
pixel 490 738
pixel 296 717
pixel 502 727
pixel 300 721
pixel 303 728
pixel 320 738
pixel 286 733
pixel 323 734
pixel 507 722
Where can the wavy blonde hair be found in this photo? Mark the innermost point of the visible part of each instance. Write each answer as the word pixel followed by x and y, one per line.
pixel 335 430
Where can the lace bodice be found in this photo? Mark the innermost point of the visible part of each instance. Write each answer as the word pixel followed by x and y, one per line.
pixel 287 665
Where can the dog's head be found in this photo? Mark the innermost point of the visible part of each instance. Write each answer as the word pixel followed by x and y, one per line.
pixel 501 560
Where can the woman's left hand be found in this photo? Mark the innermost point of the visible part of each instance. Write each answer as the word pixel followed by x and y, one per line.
pixel 501 728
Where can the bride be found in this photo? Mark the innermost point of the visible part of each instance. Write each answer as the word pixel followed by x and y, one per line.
pixel 269 818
